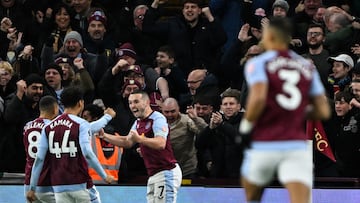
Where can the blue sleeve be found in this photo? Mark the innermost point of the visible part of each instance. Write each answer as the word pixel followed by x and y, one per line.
pixel 84 141
pixel 255 72
pixel 160 127
pixel 133 127
pixel 316 87
pixel 39 160
pixel 96 126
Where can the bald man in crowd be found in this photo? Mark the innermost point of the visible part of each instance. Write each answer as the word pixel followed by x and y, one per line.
pixel 183 129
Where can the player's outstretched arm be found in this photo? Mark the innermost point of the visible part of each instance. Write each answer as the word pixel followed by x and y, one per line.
pixel 88 153
pixel 97 125
pixel 121 141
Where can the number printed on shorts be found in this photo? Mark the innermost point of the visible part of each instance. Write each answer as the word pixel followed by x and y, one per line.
pixel 66 145
pixel 33 139
pixel 161 187
pixel 292 97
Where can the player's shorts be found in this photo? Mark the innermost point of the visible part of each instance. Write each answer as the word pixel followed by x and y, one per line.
pixel 164 185
pixel 291 161
pixel 78 196
pixel 94 195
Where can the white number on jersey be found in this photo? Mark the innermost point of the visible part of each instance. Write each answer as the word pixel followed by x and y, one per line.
pixel 66 145
pixel 293 97
pixel 33 143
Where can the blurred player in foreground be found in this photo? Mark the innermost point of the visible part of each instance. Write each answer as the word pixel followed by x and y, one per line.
pixel 283 86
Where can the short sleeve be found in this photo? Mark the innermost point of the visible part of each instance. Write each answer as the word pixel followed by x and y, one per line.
pixel 255 71
pixel 160 126
pixel 316 87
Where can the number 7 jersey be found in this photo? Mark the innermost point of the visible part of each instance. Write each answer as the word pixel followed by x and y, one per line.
pixel 291 81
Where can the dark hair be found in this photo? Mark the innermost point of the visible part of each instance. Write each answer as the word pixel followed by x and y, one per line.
pixel 142 92
pixel 70 96
pixel 317 26
pixel 231 93
pixel 168 50
pixel 47 103
pixel 57 8
pixel 346 95
pixel 94 110
pixel 282 26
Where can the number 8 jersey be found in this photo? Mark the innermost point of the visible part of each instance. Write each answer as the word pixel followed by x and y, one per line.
pixel 291 81
pixel 32 132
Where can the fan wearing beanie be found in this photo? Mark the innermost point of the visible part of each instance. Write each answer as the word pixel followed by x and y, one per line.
pixel 280 8
pixel 97 40
pixel 73 44
pixel 53 77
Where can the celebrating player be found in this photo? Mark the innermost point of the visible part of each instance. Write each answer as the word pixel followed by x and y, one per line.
pixel 48 110
pixel 151 131
pixel 282 86
pixel 66 143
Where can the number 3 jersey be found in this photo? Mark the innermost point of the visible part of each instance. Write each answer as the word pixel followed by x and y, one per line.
pixel 291 81
pixel 67 163
pixel 32 132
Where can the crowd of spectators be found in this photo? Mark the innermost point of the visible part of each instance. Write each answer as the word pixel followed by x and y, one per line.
pixel 190 63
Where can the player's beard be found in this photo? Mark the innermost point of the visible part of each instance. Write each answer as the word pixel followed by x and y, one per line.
pixel 314 46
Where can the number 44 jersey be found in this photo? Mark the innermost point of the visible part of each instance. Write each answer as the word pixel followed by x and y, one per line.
pixel 67 163
pixel 291 81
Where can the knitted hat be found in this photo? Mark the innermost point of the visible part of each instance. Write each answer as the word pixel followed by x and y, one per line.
pixel 74 35
pixel 55 67
pixel 34 78
pixel 126 49
pixel 98 16
pixel 282 4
